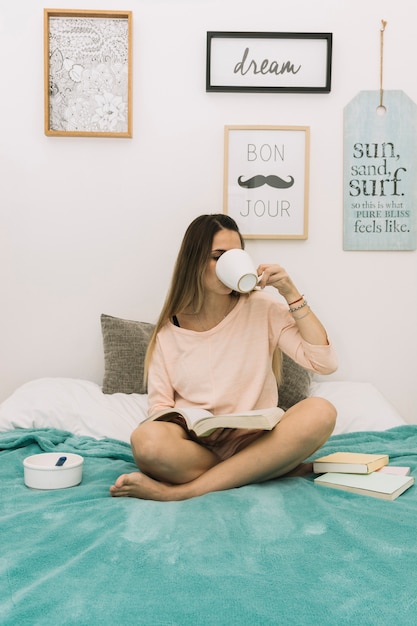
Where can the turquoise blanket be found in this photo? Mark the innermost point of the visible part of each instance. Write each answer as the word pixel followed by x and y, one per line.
pixel 285 552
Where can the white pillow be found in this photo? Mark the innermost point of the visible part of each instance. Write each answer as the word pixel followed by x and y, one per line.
pixel 360 406
pixel 78 406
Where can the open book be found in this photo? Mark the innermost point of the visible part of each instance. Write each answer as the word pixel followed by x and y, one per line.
pixel 202 422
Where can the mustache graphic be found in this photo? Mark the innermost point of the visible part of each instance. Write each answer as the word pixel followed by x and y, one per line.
pixel 271 180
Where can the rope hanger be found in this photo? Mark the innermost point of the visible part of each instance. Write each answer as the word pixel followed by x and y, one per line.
pixel 381 108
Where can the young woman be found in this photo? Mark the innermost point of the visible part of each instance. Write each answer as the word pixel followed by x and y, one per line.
pixel 220 350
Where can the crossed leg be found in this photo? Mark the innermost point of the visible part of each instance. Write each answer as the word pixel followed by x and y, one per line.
pixel 175 468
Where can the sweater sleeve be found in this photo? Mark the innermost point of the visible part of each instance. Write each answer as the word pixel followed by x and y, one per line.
pixel 160 390
pixel 319 359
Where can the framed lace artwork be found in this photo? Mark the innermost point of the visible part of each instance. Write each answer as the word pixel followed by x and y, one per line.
pixel 88 78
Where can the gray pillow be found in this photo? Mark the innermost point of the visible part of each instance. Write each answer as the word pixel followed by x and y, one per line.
pixel 124 343
pixel 295 383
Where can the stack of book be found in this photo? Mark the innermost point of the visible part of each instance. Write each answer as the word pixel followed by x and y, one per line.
pixel 366 474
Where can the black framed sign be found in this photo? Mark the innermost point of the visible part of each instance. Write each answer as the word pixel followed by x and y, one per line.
pixel 269 62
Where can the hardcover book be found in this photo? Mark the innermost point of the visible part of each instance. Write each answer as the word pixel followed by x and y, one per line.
pixel 377 484
pixel 400 470
pixel 350 463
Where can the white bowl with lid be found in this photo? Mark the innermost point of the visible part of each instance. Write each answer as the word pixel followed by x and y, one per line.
pixel 53 470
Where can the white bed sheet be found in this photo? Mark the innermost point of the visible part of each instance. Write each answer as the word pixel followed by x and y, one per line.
pixel 80 406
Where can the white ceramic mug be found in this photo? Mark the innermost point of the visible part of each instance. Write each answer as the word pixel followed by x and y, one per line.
pixel 236 270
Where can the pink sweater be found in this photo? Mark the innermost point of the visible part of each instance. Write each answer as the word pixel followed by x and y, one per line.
pixel 228 368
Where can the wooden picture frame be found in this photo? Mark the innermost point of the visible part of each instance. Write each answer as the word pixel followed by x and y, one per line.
pixel 87 73
pixel 266 180
pixel 269 62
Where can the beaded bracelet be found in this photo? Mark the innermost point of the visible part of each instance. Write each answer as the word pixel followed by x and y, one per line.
pixel 297 308
pixel 301 317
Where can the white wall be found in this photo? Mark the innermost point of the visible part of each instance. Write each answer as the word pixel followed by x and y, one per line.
pixel 91 225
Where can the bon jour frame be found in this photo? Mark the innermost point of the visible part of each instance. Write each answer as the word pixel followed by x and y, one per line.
pixel 269 62
pixel 266 180
pixel 88 76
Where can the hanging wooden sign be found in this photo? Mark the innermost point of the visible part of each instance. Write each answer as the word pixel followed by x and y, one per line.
pixel 380 172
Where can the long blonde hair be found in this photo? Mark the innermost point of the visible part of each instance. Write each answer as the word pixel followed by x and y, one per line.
pixel 186 291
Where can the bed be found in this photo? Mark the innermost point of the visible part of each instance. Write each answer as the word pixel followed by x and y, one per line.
pixel 283 552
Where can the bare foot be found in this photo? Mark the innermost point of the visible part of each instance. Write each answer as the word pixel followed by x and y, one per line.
pixel 138 485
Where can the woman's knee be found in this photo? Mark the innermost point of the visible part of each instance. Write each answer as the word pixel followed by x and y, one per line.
pixel 325 413
pixel 146 442
pixel 317 414
pixel 153 441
